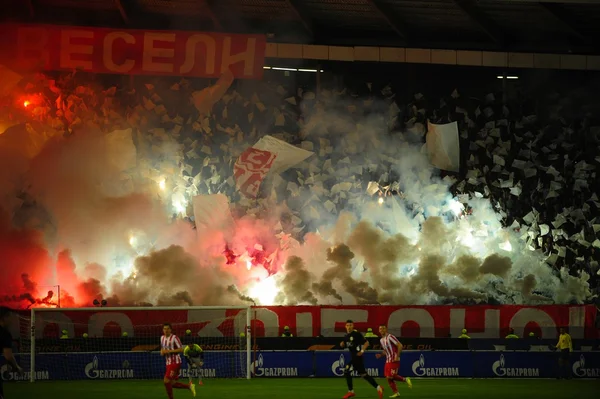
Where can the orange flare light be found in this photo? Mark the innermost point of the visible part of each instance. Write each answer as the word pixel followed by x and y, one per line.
pixel 26 103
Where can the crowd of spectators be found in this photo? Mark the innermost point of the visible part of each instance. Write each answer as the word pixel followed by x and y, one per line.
pixel 536 162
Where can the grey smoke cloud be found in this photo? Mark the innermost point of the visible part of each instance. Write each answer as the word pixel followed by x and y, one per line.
pixel 296 284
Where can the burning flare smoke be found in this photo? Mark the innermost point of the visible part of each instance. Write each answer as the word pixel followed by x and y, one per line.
pixel 72 217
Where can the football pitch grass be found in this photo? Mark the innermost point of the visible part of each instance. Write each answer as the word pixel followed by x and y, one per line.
pixel 307 388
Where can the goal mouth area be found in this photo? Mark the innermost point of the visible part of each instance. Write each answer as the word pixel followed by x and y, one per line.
pixel 103 343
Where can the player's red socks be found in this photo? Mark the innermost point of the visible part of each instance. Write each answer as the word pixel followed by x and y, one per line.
pixel 179 385
pixel 169 389
pixel 393 385
pixel 399 378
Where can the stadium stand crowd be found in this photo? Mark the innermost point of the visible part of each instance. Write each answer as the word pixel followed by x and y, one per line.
pixel 536 161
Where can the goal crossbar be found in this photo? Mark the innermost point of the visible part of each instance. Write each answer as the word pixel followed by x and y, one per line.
pixel 36 311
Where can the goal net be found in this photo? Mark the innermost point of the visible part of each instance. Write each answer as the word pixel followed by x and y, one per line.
pixel 124 343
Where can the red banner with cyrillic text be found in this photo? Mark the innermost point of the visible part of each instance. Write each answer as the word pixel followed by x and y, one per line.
pixel 134 52
pixel 310 321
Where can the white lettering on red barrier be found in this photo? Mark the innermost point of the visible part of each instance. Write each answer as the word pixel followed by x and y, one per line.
pixel 491 323
pixel 127 64
pixel 69 49
pixel 212 318
pixel 419 316
pixel 423 321
pixel 210 49
pixel 99 320
pixel 330 318
pixel 128 51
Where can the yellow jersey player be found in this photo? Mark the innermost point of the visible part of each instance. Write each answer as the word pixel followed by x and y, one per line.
pixel 195 360
pixel 565 345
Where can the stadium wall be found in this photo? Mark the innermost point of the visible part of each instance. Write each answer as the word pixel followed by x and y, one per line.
pixel 310 321
pixel 273 364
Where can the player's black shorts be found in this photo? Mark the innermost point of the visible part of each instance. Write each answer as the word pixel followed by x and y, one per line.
pixel 565 354
pixel 357 364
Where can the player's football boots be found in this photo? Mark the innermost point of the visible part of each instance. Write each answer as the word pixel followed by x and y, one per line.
pixel 349 395
pixel 193 389
pixel 380 392
pixel 408 382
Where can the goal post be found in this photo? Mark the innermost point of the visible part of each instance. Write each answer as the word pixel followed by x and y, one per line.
pixel 124 342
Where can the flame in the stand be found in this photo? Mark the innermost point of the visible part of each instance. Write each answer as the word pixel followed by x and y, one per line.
pixel 506 246
pixel 456 207
pixel 256 256
pixel 264 291
pixel 30 101
pixel 230 256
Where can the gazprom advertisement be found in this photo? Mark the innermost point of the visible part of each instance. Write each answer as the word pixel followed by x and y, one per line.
pixel 283 364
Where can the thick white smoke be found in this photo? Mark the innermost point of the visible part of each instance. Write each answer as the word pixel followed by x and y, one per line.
pixel 113 229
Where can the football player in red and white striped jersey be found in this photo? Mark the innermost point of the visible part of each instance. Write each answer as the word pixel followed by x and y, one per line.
pixel 171 349
pixel 391 350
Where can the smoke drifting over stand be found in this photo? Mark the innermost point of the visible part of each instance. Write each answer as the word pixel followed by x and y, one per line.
pixel 102 230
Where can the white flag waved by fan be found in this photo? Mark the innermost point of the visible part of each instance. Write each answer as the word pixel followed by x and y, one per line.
pixel 205 99
pixel 287 155
pixel 443 146
pixel 250 170
pixel 121 151
pixel 212 211
pixel 268 156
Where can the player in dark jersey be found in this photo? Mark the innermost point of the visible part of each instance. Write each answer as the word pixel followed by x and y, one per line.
pixel 357 345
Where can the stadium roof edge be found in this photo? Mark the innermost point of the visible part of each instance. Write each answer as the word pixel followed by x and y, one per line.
pixel 292 51
pixel 551 26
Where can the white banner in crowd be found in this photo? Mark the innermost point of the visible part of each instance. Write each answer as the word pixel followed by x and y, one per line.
pixel 287 155
pixel 212 211
pixel 268 156
pixel 443 146
pixel 205 99
pixel 121 150
pixel 250 170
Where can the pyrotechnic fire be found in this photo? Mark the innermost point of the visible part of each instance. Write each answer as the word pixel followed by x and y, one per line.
pixel 29 101
pixel 264 291
pixel 380 200
pixel 179 203
pixel 162 184
pixel 456 207
pixel 506 246
pixel 255 256
pixel 230 256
